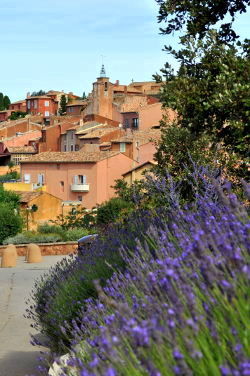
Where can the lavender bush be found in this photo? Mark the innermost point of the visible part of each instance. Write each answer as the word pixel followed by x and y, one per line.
pixel 181 307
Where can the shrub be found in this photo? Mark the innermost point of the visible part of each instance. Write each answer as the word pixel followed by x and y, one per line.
pixel 75 234
pixel 181 305
pixel 46 228
pixel 9 197
pixel 29 237
pixel 13 175
pixel 111 210
pixel 10 222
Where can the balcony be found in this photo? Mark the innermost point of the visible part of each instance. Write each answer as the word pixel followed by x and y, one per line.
pixel 80 187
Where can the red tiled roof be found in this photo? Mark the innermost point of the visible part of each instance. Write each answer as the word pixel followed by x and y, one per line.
pixel 69 157
pixel 22 149
pixel 76 103
pixel 142 136
pixel 153 163
pixel 98 133
pixel 26 197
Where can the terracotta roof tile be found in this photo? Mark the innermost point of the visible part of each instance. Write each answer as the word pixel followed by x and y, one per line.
pixel 88 125
pixel 69 157
pixel 76 103
pixel 22 149
pixel 142 136
pixel 25 197
pixel 98 133
pixel 153 163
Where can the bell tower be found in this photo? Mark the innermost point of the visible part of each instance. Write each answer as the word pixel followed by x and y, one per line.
pixel 103 95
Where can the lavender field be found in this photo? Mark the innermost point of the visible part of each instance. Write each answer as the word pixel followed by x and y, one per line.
pixel 164 293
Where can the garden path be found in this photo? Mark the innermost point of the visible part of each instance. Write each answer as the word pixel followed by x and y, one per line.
pixel 17 356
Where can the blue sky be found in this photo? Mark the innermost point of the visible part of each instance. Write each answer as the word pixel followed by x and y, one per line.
pixel 57 44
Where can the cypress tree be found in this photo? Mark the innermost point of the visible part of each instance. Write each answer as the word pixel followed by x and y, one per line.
pixel 6 102
pixel 63 103
pixel 1 102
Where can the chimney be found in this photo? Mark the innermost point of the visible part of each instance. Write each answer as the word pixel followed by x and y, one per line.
pixel 117 83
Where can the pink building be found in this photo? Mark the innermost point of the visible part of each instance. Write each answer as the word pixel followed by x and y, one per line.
pixel 77 176
pixel 146 117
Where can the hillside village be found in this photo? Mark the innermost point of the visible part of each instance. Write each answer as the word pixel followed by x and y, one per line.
pixel 75 158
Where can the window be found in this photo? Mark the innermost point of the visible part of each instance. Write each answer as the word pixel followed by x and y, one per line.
pixel 126 123
pixel 76 147
pixel 46 113
pixel 62 186
pixel 82 179
pixel 79 198
pixel 46 103
pixel 26 178
pixel 35 103
pixel 40 179
pixel 65 147
pixel 135 122
pixel 71 147
pixel 122 147
pixel 28 104
pixel 72 135
pixel 106 86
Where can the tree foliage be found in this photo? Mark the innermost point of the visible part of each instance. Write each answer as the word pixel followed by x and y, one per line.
pixel 109 211
pixel 10 221
pixel 63 103
pixel 38 93
pixel 199 16
pixel 211 89
pixel 9 197
pixel 17 115
pixel 4 102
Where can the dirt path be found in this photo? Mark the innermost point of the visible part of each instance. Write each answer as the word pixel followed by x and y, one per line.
pixel 17 356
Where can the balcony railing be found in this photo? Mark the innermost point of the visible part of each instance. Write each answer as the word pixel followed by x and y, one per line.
pixel 80 187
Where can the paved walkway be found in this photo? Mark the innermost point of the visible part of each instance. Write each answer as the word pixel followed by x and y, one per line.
pixel 17 356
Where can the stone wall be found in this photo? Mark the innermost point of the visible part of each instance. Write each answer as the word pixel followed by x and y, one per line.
pixel 47 249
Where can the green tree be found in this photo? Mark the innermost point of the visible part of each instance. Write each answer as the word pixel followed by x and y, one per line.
pixel 197 17
pixel 6 102
pixel 10 221
pixel 9 197
pixel 17 115
pixel 84 95
pixel 38 93
pixel 210 93
pixel 63 103
pixel 111 210
pixel 1 102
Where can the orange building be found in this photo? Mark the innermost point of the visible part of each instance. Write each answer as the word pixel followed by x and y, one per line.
pixel 146 87
pixel 41 105
pixel 4 115
pixel 18 106
pixel 77 176
pixel 75 107
pixel 146 116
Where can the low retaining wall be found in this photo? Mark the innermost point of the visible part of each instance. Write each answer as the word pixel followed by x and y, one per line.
pixel 47 249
